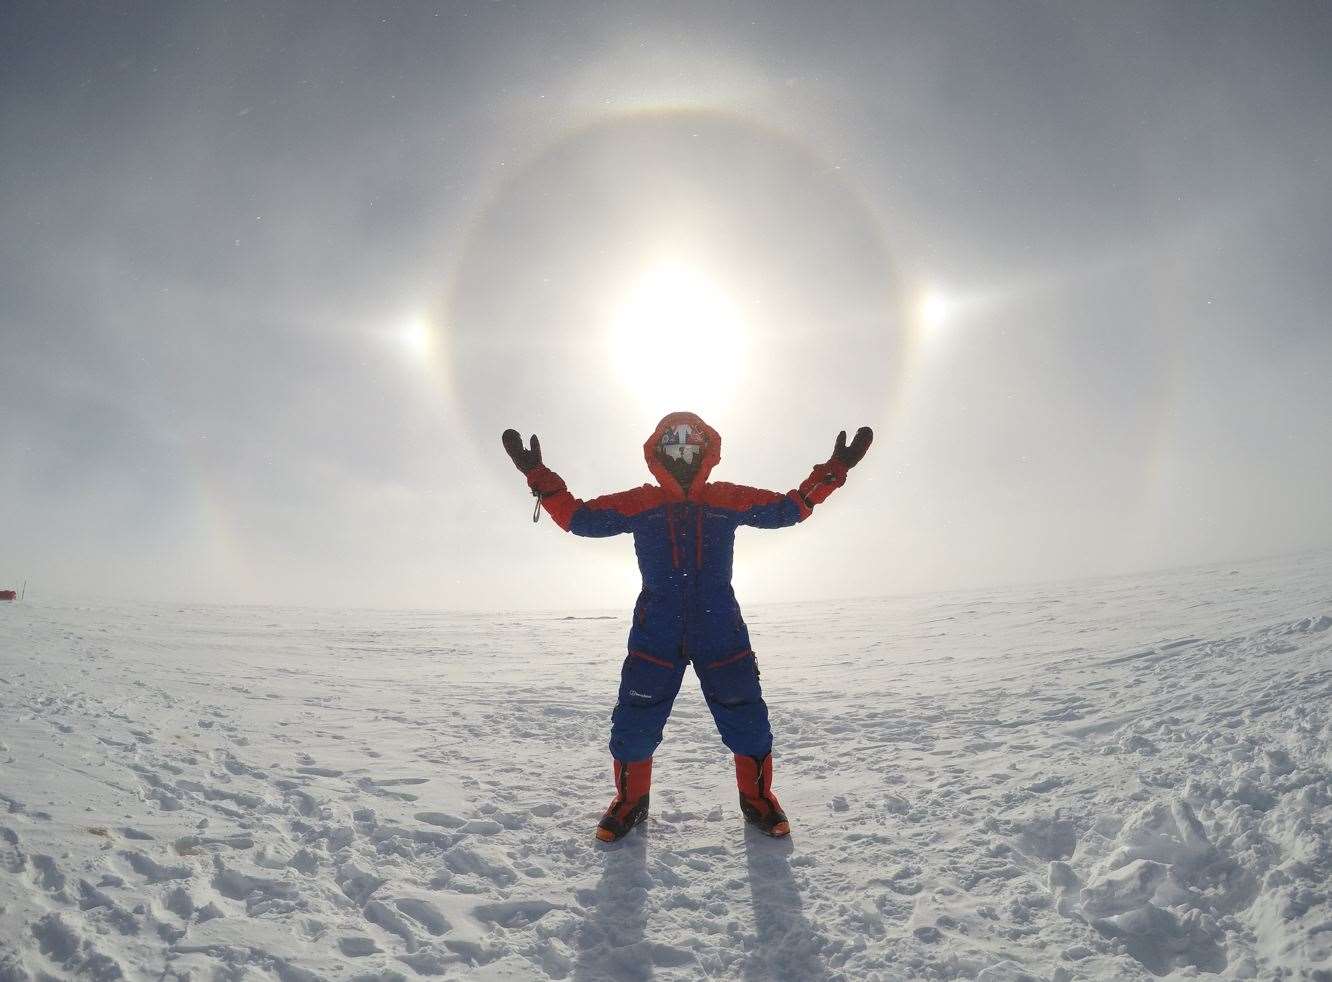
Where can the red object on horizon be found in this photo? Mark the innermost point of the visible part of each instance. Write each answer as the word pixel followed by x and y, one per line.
pixel 8 594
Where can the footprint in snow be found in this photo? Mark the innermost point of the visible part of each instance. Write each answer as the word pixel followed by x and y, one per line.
pixel 424 913
pixel 153 871
pixel 63 945
pixel 46 874
pixel 380 913
pixel 11 856
pixel 91 898
pixel 320 771
pixel 482 826
pixel 190 845
pixel 1046 784
pixel 357 946
pixel 513 913
pixel 305 804
pixel 441 819
pixel 379 788
pixel 179 902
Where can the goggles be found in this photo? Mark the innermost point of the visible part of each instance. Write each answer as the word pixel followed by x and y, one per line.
pixel 682 442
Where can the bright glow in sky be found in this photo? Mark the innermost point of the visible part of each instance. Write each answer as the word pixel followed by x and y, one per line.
pixel 272 285
pixel 678 336
pixel 933 310
pixel 418 338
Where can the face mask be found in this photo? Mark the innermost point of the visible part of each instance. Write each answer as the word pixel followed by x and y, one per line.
pixel 681 449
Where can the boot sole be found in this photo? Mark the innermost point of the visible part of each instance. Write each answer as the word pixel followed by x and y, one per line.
pixel 636 818
pixel 606 835
pixel 779 831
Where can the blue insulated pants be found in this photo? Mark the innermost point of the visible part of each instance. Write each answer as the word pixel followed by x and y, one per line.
pixel 649 684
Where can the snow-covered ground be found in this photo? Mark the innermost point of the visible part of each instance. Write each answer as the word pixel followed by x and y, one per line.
pixel 1118 778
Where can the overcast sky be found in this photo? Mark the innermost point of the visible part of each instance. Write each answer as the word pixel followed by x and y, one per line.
pixel 273 278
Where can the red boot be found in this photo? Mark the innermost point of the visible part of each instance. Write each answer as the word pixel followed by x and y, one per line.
pixel 630 807
pixel 761 809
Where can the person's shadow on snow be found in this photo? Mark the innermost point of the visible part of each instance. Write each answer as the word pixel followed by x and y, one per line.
pixel 788 946
pixel 611 940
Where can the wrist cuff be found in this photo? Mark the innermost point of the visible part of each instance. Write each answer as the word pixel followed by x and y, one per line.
pixel 544 481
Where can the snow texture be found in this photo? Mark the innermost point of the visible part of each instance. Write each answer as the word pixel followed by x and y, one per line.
pixel 1124 778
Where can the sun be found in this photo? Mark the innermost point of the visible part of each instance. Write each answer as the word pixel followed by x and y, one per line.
pixel 678 340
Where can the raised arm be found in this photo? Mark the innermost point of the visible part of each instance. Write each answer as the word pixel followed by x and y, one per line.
pixel 769 509
pixel 600 517
pixel 827 477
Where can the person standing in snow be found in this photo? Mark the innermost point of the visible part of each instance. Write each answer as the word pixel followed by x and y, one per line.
pixel 684 535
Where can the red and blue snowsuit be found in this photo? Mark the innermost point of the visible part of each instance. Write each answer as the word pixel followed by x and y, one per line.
pixel 687 611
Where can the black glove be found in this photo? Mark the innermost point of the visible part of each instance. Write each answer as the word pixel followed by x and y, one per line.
pixel 524 459
pixel 849 456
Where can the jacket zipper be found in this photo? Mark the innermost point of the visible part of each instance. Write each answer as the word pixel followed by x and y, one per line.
pixel 670 530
